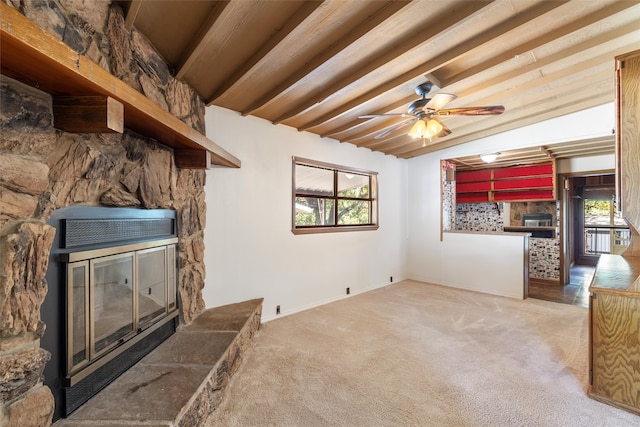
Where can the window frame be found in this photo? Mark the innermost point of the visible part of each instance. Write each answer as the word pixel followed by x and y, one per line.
pixel 334 228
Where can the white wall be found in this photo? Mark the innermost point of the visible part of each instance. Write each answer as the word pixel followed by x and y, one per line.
pixel 432 260
pixel 250 251
pixel 476 255
pixel 586 164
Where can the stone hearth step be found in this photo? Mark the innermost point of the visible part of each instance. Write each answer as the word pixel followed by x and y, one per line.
pixel 180 383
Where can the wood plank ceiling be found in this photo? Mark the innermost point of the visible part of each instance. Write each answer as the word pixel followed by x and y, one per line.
pixel 319 65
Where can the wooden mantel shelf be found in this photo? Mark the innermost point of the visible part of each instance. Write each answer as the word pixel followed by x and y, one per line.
pixel 39 59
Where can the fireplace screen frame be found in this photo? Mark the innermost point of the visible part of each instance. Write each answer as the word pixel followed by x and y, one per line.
pixel 88 260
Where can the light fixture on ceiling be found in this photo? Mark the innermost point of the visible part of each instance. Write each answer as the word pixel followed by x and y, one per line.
pixel 489 157
pixel 425 129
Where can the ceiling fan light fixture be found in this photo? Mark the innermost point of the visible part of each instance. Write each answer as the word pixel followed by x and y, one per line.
pixel 489 157
pixel 434 127
pixel 418 129
pixel 425 129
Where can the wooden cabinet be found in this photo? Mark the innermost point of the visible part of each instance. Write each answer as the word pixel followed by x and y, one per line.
pixel 614 327
pixel 628 134
pixel 628 143
pixel 507 184
pixel 615 332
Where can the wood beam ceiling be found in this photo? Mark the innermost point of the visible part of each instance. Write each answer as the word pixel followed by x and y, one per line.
pixel 319 65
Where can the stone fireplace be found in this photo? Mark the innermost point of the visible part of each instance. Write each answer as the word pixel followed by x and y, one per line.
pixel 113 271
pixel 45 170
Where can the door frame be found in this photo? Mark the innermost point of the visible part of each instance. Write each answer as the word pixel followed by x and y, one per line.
pixel 568 242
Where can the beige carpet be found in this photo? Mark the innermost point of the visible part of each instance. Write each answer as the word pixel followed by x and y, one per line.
pixel 414 354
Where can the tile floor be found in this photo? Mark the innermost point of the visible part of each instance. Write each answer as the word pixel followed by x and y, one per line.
pixel 575 293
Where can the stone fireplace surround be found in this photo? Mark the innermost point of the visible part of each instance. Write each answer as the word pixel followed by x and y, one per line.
pixel 44 169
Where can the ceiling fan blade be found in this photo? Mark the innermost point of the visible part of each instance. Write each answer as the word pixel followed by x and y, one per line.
pixel 395 128
pixel 491 110
pixel 445 130
pixel 439 101
pixel 373 116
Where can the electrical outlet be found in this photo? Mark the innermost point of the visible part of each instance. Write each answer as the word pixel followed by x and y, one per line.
pixel 348 291
pixel 391 279
pixel 277 309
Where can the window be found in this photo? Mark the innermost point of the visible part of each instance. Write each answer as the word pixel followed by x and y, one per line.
pixel 329 198
pixel 605 230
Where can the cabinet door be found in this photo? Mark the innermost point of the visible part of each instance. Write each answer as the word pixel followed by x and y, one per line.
pixel 627 135
pixel 615 338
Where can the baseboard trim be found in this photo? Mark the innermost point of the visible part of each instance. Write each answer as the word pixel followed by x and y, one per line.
pixel 315 304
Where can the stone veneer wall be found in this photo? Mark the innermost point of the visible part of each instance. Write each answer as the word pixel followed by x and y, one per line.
pixel 544 254
pixel 519 209
pixel 479 217
pixel 44 169
pixel 544 259
pixel 448 197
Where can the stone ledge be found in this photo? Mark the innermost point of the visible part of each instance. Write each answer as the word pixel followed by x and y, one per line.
pixel 181 382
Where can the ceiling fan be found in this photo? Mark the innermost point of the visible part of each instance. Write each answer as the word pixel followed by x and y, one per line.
pixel 424 113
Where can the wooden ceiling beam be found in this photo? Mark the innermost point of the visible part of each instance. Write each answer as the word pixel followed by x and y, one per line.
pixel 538 89
pixel 372 131
pixel 355 34
pixel 383 110
pixel 399 142
pixel 594 143
pixel 537 95
pixel 303 12
pixel 371 141
pixel 548 38
pixel 546 151
pixel 432 65
pixel 602 149
pixel 603 58
pixel 428 32
pixel 594 76
pixel 198 44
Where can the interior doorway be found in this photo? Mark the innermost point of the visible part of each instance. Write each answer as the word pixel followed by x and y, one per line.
pixel 595 223
pixel 589 226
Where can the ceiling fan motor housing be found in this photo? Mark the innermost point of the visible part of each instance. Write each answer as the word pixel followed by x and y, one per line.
pixel 418 105
pixel 424 88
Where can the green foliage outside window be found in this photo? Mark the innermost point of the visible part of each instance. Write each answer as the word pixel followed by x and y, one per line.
pixel 597 207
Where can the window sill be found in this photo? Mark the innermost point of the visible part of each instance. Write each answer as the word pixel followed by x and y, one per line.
pixel 319 230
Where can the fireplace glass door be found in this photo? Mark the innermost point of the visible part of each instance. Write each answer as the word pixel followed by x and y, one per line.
pixel 78 314
pixel 171 277
pixel 111 297
pixel 114 295
pixel 152 292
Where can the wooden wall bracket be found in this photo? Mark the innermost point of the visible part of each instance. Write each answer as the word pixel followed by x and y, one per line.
pixel 88 114
pixel 192 159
